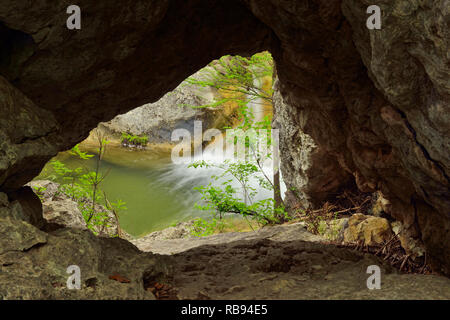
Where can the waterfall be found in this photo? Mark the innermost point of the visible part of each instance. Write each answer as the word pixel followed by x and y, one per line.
pixel 181 175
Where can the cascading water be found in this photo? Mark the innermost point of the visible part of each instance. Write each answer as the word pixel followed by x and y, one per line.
pixel 181 175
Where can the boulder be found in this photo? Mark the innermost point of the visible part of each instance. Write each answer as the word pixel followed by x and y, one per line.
pixel 412 246
pixel 281 262
pixel 369 230
pixel 374 102
pixel 18 235
pixel 47 189
pixel 177 239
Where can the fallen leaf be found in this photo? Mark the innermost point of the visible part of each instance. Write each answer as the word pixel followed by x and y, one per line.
pixel 119 278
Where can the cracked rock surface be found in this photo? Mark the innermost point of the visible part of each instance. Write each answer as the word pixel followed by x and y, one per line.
pixel 267 269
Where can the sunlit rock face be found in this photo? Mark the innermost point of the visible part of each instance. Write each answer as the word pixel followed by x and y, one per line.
pixel 374 102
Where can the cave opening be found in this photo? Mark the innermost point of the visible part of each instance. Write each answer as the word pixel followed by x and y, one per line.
pixel 149 168
pixel 355 120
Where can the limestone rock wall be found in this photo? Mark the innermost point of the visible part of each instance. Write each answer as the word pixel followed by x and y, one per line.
pixel 173 111
pixel 28 137
pixel 34 260
pixel 375 103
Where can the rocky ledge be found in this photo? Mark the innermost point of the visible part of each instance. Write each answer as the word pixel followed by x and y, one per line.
pixel 284 262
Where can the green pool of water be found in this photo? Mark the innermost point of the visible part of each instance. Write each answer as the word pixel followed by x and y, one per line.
pixel 157 193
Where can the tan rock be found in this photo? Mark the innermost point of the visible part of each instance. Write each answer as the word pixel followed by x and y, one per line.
pixel 371 230
pixel 412 246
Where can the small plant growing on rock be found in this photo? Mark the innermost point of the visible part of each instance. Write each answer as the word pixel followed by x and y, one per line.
pixel 129 140
pixel 39 191
pixel 83 186
pixel 221 197
pixel 203 228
